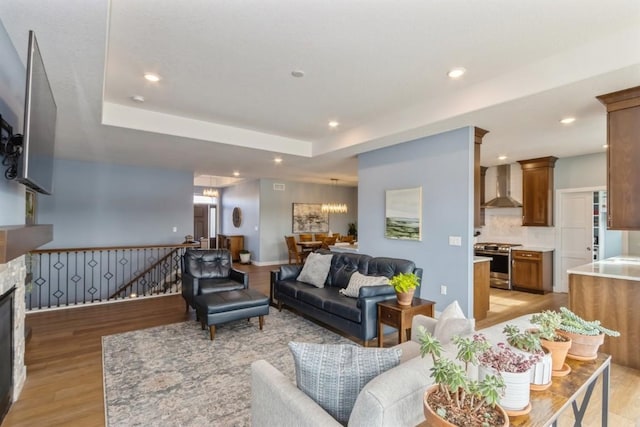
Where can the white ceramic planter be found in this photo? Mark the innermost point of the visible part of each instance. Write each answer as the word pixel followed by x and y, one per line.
pixel 516 393
pixel 541 371
pixel 245 258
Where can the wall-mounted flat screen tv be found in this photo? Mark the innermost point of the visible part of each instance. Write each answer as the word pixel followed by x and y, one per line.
pixel 35 168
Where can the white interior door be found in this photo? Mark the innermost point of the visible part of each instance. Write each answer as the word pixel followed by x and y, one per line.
pixel 576 234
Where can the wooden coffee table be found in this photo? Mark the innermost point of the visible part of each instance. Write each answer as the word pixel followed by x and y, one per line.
pixel 400 316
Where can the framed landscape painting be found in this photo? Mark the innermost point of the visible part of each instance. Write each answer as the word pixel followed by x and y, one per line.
pixel 309 218
pixel 403 214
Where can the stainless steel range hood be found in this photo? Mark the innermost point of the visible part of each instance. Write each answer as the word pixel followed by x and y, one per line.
pixel 503 197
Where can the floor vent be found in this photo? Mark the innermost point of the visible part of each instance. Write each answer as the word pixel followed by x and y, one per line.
pixel 278 187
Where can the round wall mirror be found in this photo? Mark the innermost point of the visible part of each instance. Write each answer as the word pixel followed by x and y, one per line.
pixel 237 217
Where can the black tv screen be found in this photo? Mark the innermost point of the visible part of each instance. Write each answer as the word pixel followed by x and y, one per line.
pixel 35 168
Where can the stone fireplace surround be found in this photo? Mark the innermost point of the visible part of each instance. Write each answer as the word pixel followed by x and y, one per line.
pixel 15 242
pixel 12 274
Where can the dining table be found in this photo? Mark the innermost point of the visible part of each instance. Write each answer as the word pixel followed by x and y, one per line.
pixel 310 245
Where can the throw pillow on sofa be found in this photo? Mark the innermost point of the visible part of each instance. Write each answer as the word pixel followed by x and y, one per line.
pixel 315 269
pixel 452 322
pixel 333 375
pixel 358 280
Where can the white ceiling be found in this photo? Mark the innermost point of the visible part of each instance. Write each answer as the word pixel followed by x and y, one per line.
pixel 227 101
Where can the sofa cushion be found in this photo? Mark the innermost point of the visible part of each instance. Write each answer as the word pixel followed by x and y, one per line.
pixel 358 280
pixel 291 288
pixel 210 263
pixel 351 368
pixel 452 322
pixel 316 296
pixel 389 267
pixel 343 265
pixel 207 286
pixel 347 308
pixel 315 269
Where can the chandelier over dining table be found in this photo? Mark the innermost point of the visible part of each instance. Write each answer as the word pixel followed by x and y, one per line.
pixel 331 207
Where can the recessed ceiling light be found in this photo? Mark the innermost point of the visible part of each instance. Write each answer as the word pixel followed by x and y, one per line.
pixel 138 98
pixel 456 73
pixel 502 157
pixel 333 124
pixel 152 77
pixel 277 160
pixel 236 173
pixel 568 120
pixel 297 73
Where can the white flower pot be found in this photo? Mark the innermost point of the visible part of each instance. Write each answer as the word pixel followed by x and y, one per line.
pixel 245 258
pixel 516 394
pixel 541 371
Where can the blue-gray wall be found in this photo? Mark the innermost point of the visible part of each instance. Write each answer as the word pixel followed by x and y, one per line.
pixel 100 204
pixel 245 196
pixel 443 166
pixel 581 171
pixel 276 209
pixel 12 90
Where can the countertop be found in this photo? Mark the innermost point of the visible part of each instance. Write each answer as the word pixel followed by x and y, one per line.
pixel 532 249
pixel 481 259
pixel 620 267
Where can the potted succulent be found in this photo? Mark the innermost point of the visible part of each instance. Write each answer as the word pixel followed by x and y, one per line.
pixel 454 399
pixel 548 323
pixel 353 230
pixel 529 342
pixel 515 369
pixel 405 285
pixel 586 336
pixel 245 256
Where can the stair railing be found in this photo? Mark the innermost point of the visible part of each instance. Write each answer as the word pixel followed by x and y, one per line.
pixel 77 276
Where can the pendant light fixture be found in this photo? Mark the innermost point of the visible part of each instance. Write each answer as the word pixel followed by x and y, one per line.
pixel 334 207
pixel 210 192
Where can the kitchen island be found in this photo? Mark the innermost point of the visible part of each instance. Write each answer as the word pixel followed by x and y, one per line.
pixel 609 291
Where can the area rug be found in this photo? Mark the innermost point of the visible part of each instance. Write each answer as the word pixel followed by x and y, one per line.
pixel 175 376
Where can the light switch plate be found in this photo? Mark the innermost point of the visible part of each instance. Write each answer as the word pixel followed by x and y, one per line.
pixel 455 241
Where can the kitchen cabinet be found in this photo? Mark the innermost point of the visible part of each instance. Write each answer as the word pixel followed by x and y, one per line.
pixel 233 243
pixel 532 271
pixel 537 191
pixel 623 157
pixel 477 186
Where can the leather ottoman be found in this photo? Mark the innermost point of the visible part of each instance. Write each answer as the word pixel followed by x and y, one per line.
pixel 221 307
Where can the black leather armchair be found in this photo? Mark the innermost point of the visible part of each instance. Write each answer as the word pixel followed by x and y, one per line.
pixel 209 270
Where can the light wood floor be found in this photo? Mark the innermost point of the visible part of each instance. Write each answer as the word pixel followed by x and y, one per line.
pixel 64 356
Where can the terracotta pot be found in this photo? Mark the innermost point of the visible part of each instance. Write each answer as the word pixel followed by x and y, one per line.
pixel 558 351
pixel 434 420
pixel 583 347
pixel 405 298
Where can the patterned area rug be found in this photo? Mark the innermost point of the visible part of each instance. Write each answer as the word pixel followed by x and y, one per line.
pixel 175 376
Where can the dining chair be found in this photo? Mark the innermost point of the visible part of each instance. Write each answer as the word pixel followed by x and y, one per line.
pixel 347 239
pixel 337 236
pixel 319 236
pixel 328 241
pixel 305 237
pixel 292 248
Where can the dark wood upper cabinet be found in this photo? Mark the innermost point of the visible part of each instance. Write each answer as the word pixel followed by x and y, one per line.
pixel 477 185
pixel 537 191
pixel 623 158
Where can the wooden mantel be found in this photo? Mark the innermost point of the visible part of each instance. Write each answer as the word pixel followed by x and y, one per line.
pixel 17 240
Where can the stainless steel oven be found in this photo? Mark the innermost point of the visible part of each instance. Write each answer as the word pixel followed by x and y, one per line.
pixel 500 264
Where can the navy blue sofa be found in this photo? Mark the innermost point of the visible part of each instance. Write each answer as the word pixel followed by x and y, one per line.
pixel 355 316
